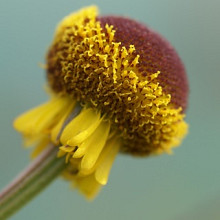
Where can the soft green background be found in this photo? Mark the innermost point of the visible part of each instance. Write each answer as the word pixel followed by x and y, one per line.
pixel 185 186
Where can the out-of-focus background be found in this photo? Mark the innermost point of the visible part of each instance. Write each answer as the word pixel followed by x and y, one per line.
pixel 185 186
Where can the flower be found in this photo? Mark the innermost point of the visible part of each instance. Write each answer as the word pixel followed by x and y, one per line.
pixel 115 86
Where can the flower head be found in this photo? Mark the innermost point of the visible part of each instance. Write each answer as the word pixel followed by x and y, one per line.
pixel 116 85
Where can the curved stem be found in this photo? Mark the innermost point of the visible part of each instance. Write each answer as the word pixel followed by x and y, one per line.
pixel 45 168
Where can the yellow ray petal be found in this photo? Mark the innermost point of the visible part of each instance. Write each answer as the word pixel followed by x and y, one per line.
pixel 41 118
pixel 88 186
pixel 83 147
pixel 106 160
pixel 61 153
pixel 29 141
pixel 99 138
pixel 87 132
pixel 24 124
pixel 55 131
pixel 80 127
pixel 52 114
pixel 41 146
pixel 67 148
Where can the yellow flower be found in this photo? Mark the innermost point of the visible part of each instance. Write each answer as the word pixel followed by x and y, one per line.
pixel 115 85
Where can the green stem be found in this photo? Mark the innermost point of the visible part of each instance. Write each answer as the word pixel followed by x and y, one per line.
pixel 42 171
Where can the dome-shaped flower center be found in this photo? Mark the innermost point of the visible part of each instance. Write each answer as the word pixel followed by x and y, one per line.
pixel 128 72
pixel 156 54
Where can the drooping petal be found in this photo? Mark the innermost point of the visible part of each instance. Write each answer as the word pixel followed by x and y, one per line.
pixel 40 119
pixel 107 158
pixel 80 127
pixel 55 131
pixel 44 142
pixel 87 185
pixel 99 139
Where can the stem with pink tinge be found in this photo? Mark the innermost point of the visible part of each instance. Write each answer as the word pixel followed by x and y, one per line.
pixel 40 173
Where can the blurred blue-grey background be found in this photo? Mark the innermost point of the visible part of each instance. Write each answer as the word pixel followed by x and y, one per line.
pixel 184 186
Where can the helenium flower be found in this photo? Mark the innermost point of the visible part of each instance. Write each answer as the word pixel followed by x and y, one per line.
pixel 115 86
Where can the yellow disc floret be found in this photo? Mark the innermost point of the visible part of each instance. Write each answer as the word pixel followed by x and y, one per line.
pixel 87 63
